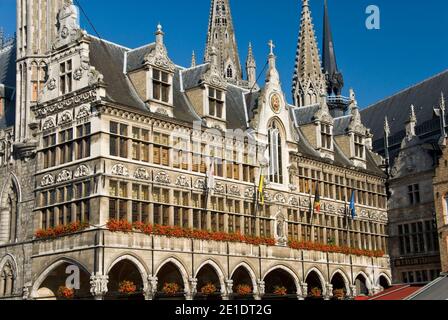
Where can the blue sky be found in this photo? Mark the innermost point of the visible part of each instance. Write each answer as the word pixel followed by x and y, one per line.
pixel 410 46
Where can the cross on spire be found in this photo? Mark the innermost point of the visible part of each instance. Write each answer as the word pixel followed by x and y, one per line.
pixel 271 47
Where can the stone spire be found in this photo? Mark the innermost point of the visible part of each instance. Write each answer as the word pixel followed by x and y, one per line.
pixel 309 80
pixel 441 113
pixel 335 80
pixel 386 140
pixel 221 35
pixel 272 75
pixel 251 67
pixel 411 124
pixel 193 60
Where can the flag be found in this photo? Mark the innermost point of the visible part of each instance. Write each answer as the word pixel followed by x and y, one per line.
pixel 211 176
pixel 261 190
pixel 352 206
pixel 317 199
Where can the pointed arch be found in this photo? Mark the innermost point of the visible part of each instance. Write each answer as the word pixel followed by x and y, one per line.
pixel 276 142
pixel 384 279
pixel 53 275
pixel 320 277
pixel 9 209
pixel 249 270
pixel 362 283
pixel 180 267
pixel 344 277
pixel 133 259
pixel 8 275
pixel 217 270
pixel 290 272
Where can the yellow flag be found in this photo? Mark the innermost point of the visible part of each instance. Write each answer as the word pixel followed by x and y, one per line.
pixel 261 190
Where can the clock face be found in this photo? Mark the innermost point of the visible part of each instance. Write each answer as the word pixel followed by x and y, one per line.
pixel 276 102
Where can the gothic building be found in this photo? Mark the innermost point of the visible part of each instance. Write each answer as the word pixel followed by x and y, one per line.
pixel 411 143
pixel 145 179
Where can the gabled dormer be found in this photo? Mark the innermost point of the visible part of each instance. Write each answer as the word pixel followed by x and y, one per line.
pixel 153 77
pixel 352 136
pixel 208 94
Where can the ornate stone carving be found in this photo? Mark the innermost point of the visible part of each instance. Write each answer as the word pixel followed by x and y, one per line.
pixel 120 170
pixel 280 230
pixel 51 108
pixel 94 77
pixel 84 112
pixel 234 191
pixel 66 117
pixel 182 181
pixel 47 180
pixel 142 174
pixel 200 184
pixel 49 124
pixel 162 111
pixel 68 25
pixel 64 176
pixel 158 57
pixel 163 178
pixel 293 201
pixel 81 171
pixel 151 288
pixel 51 84
pixel 220 188
pixel 77 75
pixel 98 285
pixel 249 193
pixel 279 197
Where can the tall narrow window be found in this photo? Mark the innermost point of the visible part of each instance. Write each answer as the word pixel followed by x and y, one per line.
pixel 161 86
pixel 65 76
pixel 414 194
pixel 229 72
pixel 38 77
pixel 216 103
pixel 445 210
pixel 275 155
pixel 118 144
pixel 6 280
pixel 326 137
pixel 359 146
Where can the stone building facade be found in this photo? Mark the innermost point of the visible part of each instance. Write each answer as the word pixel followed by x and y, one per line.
pixel 107 136
pixel 411 144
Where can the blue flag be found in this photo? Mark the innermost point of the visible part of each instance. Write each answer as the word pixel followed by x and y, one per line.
pixel 352 206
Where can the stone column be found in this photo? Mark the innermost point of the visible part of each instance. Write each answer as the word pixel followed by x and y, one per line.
pixel 304 290
pixel 150 288
pixel 329 293
pixel 98 286
pixel 353 292
pixel 189 295
pixel 228 290
pixel 260 290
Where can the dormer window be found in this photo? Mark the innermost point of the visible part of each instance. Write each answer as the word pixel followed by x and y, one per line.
pixel 359 147
pixel 216 103
pixel 161 86
pixel 65 74
pixel 326 137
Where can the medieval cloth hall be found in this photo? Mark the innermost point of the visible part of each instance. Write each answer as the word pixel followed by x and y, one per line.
pixel 150 180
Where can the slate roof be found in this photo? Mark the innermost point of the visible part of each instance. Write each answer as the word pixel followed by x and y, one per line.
pixel 135 59
pixel 8 66
pixel 183 110
pixel 108 59
pixel 192 77
pixel 341 125
pixel 236 113
pixel 304 115
pixel 425 96
pixel 8 84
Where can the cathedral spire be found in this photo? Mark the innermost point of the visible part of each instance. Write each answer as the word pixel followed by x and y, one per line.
pixel 308 81
pixel 251 67
pixel 193 60
pixel 335 80
pixel 221 35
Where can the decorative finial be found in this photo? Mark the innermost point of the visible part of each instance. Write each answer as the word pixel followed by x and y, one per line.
pixel 193 59
pixel 271 46
pixel 159 34
pixel 442 102
pixel 413 117
pixel 386 127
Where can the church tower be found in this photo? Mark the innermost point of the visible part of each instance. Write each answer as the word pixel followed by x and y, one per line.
pixel 221 35
pixel 308 80
pixel 36 33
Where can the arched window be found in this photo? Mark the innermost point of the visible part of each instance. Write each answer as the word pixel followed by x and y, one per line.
pixel 275 154
pixel 229 72
pixel 38 77
pixel 445 209
pixel 6 280
pixel 12 204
